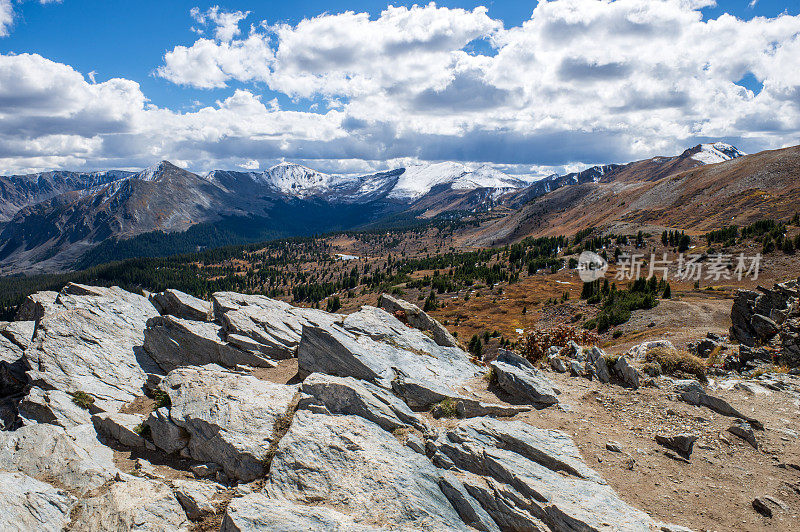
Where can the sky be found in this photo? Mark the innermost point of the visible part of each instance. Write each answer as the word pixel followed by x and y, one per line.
pixel 363 86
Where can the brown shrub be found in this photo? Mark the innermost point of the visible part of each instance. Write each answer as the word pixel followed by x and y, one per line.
pixel 536 344
pixel 674 362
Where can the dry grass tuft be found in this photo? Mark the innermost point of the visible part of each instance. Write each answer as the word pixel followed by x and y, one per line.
pixel 674 362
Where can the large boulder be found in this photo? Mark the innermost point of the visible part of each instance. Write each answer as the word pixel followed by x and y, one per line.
pixel 373 345
pixel 181 305
pixel 132 505
pixel 174 342
pixel 417 318
pixel 354 465
pixel 29 504
pixel 74 458
pixel 517 377
pixel 525 476
pixel 166 435
pixel 274 326
pixel 229 417
pixel 346 395
pixel 90 340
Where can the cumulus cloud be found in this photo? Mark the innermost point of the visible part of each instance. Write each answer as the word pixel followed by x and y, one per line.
pixel 581 81
pixel 226 23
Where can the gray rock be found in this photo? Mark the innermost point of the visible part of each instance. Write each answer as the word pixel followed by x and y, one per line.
pixel 743 430
pixel 54 407
pixel 346 395
pixel 174 342
pixel 205 470
pixel 470 510
pixel 614 447
pixel 523 382
pixel 197 498
pixel 35 305
pixel 274 325
pixel 639 352
pixel 424 395
pixel 626 372
pixel 230 417
pixel 682 443
pixel 19 332
pixel 166 435
pixel 575 368
pixel 557 363
pixel 532 479
pixel 371 343
pixel 694 393
pixel 763 326
pixel 122 428
pixel 29 504
pixel 415 443
pixel 767 506
pixel 416 317
pixel 596 365
pixel 134 505
pixel 259 513
pixel 180 305
pixel 74 458
pixel 92 344
pixel 354 465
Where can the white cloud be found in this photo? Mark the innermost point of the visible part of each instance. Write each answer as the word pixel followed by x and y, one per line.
pixel 582 81
pixel 6 17
pixel 226 22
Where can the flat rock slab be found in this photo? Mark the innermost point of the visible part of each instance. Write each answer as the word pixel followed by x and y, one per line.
pixel 275 326
pixel 526 476
pixel 132 505
pixel 373 345
pixel 228 416
pixel 181 305
pixel 54 407
pixel 73 458
pixel 93 344
pixel 346 395
pixel 174 342
pixel 29 504
pixel 259 513
pixel 354 465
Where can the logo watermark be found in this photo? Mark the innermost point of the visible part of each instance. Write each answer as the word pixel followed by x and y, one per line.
pixel 692 267
pixel 591 266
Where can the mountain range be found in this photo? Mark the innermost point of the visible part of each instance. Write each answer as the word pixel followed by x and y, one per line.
pixel 55 221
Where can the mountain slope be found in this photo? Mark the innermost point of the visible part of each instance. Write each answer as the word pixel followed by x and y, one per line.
pixel 705 197
pixel 20 191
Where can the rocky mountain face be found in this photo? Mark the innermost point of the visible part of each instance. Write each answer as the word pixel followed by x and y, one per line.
pixel 356 441
pixel 55 219
pixel 20 191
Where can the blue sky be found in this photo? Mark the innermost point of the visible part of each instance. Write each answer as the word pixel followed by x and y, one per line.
pixel 504 82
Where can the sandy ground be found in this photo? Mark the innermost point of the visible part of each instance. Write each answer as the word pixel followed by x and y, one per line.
pixel 714 491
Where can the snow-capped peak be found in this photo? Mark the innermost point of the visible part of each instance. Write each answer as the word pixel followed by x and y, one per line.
pixel 716 153
pixel 149 173
pixel 418 179
pixel 294 179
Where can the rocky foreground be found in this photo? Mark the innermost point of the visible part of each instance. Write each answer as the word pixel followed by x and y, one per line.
pixel 388 424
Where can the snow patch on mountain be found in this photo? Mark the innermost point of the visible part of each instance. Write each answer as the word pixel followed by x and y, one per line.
pixel 716 153
pixel 296 179
pixel 418 179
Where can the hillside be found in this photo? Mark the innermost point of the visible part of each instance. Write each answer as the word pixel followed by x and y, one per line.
pixel 645 194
